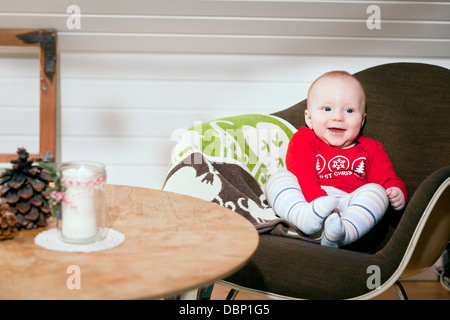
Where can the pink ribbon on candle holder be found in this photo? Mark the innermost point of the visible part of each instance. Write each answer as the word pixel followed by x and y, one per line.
pixel 101 181
pixel 61 195
pixel 97 184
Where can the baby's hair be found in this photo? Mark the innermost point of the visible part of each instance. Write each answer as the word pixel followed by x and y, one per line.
pixel 334 74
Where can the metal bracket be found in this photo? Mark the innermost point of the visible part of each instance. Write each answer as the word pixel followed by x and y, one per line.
pixel 47 41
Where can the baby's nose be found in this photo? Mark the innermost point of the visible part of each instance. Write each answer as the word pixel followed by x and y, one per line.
pixel 338 116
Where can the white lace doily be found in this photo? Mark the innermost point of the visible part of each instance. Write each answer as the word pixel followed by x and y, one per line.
pixel 49 240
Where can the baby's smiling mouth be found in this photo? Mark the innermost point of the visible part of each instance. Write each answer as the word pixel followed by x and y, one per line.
pixel 337 130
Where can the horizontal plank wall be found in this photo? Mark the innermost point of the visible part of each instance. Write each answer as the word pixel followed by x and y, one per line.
pixel 251 27
pixel 135 74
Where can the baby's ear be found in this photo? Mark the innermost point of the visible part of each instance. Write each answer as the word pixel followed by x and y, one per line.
pixel 308 119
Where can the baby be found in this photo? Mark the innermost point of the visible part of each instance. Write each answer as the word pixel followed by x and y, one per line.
pixel 337 179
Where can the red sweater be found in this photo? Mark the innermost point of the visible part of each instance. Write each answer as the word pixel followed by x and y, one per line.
pixel 317 164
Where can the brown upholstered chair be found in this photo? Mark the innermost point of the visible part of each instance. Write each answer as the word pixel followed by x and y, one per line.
pixel 408 111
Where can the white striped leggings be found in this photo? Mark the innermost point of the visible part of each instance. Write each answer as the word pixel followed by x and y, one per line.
pixel 359 210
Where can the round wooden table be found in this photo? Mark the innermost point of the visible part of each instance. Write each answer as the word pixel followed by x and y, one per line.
pixel 174 243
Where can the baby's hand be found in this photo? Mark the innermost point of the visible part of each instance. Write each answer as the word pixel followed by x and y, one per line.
pixel 396 198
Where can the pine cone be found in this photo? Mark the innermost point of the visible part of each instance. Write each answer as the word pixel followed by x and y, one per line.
pixel 24 188
pixel 7 222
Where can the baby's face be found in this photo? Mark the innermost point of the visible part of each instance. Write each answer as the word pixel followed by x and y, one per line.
pixel 336 110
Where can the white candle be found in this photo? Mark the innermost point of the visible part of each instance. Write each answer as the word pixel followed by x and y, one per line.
pixel 79 217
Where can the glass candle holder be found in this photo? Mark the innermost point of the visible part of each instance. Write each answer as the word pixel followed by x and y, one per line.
pixel 83 206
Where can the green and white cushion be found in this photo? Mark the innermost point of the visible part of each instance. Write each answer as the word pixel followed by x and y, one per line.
pixel 227 161
pixel 257 142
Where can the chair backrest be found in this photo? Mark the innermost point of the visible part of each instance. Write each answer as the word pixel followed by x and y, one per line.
pixel 408 111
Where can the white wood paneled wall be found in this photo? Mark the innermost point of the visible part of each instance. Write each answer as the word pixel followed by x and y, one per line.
pixel 135 73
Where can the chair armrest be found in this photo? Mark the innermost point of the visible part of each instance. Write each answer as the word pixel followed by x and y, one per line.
pixel 423 231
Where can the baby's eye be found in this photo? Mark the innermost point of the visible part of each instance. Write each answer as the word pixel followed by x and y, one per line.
pixel 326 108
pixel 349 110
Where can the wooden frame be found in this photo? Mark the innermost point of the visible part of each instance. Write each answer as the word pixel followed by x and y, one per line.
pixel 46 40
